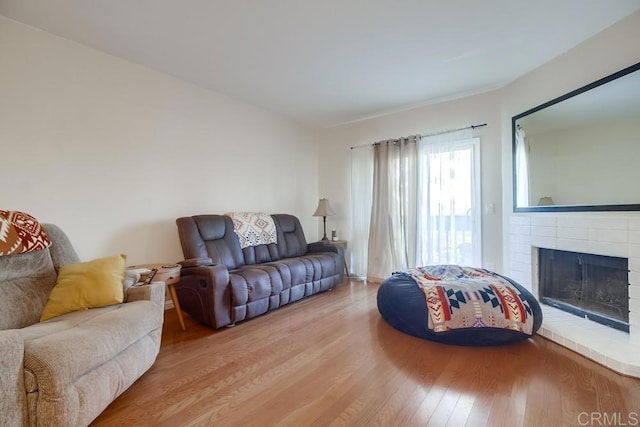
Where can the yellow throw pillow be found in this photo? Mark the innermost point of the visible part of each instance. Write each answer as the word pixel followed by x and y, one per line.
pixel 85 285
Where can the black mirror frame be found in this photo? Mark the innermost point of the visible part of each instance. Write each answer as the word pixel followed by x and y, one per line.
pixel 566 208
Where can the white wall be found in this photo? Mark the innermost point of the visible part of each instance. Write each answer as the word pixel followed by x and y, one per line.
pixel 607 52
pixel 114 152
pixel 334 166
pixel 613 49
pixel 592 164
pixel 602 233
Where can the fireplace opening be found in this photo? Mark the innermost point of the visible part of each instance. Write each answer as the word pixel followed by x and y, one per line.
pixel 595 287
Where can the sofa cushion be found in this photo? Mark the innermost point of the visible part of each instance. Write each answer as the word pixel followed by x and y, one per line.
pixel 210 236
pixel 90 284
pixel 291 240
pixel 311 267
pixel 260 254
pixel 60 350
pixel 255 282
pixel 294 271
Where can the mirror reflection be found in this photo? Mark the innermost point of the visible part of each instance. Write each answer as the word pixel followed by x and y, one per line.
pixel 580 151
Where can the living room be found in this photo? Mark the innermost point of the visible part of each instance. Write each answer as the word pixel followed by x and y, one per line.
pixel 113 151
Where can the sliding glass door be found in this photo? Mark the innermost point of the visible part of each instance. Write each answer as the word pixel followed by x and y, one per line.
pixel 433 205
pixel 449 220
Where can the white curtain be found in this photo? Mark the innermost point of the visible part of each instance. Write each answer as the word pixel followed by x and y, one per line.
pixel 424 206
pixel 361 192
pixel 522 169
pixel 392 232
pixel 449 227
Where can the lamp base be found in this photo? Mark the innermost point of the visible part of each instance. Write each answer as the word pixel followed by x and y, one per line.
pixel 324 229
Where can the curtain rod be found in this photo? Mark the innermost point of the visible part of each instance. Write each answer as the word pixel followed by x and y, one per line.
pixel 429 134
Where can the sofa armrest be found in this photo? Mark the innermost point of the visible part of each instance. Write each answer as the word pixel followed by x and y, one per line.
pixel 204 292
pixel 315 247
pixel 153 292
pixel 13 396
pixel 196 262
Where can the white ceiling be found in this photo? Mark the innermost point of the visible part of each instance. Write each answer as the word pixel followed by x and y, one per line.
pixel 326 62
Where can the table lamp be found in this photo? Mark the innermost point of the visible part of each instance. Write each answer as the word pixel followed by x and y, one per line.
pixel 324 210
pixel 546 201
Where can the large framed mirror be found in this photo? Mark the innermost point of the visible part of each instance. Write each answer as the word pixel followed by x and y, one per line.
pixel 581 151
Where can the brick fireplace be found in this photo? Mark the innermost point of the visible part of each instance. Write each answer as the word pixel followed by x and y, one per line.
pixel 614 234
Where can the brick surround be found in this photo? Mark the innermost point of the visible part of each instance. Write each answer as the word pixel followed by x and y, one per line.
pixel 613 234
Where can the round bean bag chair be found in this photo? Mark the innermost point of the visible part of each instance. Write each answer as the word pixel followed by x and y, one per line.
pixel 459 305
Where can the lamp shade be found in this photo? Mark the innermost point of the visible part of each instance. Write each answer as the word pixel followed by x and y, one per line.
pixel 324 208
pixel 546 201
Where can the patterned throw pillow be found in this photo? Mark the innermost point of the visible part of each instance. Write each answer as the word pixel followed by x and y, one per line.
pixel 20 232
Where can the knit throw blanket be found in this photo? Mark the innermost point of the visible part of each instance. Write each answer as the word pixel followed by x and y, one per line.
pixel 253 228
pixel 465 297
pixel 20 232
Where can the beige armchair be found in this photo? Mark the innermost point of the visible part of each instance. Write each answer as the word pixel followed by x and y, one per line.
pixel 65 371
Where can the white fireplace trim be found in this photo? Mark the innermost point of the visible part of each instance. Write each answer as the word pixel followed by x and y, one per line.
pixel 612 234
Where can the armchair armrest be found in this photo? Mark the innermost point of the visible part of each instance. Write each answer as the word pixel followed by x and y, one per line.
pixel 153 292
pixel 13 403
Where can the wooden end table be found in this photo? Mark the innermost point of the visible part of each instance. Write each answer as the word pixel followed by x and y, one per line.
pixel 168 273
pixel 342 244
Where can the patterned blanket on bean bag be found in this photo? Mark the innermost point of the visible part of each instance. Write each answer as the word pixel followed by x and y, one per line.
pixel 465 297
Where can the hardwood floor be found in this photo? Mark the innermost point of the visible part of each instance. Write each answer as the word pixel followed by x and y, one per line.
pixel 332 360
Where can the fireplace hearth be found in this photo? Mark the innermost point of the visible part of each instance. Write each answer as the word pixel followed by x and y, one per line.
pixel 595 287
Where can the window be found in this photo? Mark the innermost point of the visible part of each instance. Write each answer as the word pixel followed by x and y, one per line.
pixel 420 206
pixel 450 210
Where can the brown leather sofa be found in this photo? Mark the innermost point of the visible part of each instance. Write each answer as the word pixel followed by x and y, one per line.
pixel 222 284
